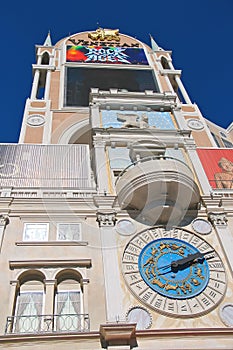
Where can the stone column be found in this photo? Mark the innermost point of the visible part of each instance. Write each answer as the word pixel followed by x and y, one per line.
pixel 95 115
pixel 48 320
pixel 101 167
pixel 182 90
pixel 14 286
pixel 219 221
pixel 35 84
pixel 112 276
pixel 85 321
pixel 47 85
pixel 4 220
pixel 84 283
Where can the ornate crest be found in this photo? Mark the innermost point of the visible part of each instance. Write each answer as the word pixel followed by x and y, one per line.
pixel 105 34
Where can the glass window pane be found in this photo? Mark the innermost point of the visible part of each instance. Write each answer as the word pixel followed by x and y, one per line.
pixel 68 311
pixel 35 232
pixel 69 232
pixel 28 312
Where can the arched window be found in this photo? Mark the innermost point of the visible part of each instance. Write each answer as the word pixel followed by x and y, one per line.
pixel 45 58
pixel 69 302
pixel 29 303
pixel 164 63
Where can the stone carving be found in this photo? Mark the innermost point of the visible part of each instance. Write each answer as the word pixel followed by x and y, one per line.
pixel 133 120
pixel 218 219
pixel 106 219
pixel 4 220
pixel 105 34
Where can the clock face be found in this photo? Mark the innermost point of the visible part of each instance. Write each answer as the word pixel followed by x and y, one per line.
pixel 184 281
pixel 174 272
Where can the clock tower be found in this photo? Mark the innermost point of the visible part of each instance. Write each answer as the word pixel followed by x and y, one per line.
pixel 116 223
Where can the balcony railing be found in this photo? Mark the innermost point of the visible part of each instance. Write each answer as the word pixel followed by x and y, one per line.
pixel 158 190
pixel 146 159
pixel 67 323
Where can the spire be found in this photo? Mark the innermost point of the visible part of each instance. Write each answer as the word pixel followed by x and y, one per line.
pixel 48 41
pixel 154 45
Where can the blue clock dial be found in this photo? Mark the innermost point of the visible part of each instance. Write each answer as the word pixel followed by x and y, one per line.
pixel 174 271
pixel 173 268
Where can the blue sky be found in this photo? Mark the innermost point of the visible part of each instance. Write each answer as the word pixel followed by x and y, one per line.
pixel 199 33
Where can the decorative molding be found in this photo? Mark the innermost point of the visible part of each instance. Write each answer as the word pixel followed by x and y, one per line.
pixel 52 243
pixel 19 264
pixel 106 218
pixel 218 219
pixel 35 120
pixel 118 334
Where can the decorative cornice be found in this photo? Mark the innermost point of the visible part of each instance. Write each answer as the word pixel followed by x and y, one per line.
pixel 18 264
pixel 52 243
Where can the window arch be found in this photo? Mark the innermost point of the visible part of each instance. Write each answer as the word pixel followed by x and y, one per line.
pixel 69 302
pixel 45 58
pixel 47 305
pixel 165 63
pixel 29 302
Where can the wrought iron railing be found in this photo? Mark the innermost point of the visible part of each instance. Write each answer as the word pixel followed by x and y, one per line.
pixel 47 323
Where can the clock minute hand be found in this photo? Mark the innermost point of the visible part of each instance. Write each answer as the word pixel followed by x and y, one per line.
pixel 188 259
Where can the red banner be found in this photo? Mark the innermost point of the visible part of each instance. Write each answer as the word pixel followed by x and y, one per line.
pixel 218 166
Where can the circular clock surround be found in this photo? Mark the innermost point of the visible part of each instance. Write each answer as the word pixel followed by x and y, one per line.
pixel 139 315
pixel 194 287
pixel 195 124
pixel 201 226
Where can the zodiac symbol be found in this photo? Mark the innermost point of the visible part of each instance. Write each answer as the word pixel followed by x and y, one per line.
pixel 198 273
pixel 158 283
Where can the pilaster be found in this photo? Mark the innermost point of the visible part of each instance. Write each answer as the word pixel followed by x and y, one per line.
pixel 220 222
pixel 14 287
pixel 101 166
pixel 50 286
pixel 4 221
pixel 112 276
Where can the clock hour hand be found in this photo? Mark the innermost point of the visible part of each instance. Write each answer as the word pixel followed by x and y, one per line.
pixel 188 260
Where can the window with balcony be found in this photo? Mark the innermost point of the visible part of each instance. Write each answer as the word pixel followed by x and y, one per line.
pixel 43 306
pixel 29 307
pixel 68 305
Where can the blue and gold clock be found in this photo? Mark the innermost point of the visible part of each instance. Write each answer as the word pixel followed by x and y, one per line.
pixel 174 271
